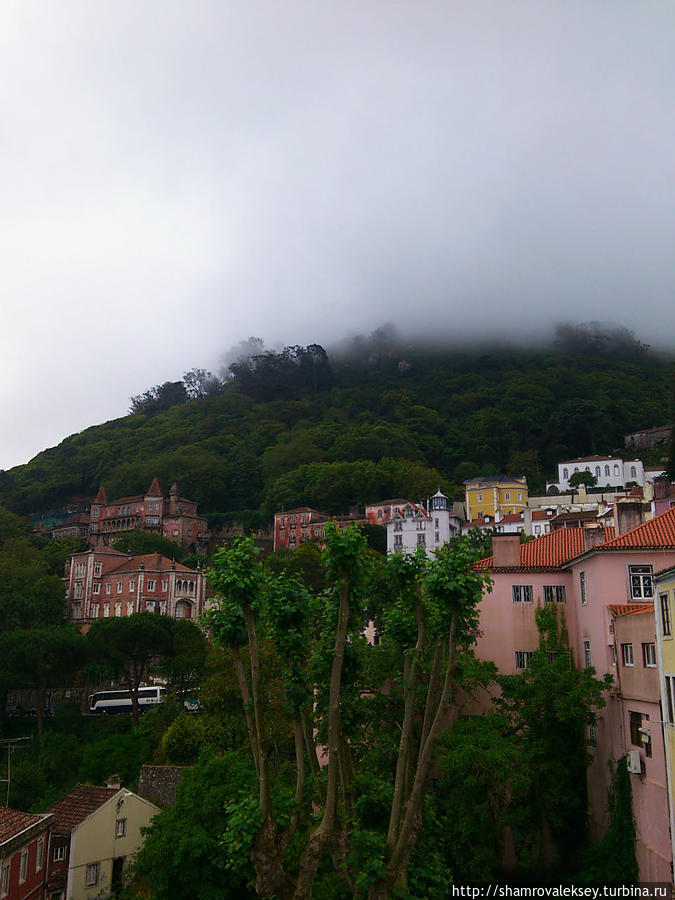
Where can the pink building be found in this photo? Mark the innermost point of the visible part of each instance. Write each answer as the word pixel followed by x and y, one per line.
pixel 604 583
pixel 104 583
pixel 173 517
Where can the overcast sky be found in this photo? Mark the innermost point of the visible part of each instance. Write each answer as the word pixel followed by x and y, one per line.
pixel 177 176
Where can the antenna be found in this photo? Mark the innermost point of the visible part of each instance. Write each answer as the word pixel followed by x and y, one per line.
pixel 11 744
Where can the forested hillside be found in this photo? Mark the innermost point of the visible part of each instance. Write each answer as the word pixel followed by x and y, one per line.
pixel 300 427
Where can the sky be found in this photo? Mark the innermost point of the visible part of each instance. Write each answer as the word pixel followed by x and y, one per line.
pixel 178 176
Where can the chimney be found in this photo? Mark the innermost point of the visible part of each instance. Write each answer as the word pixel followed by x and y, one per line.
pixel 506 550
pixel 648 491
pixel 594 534
pixel 661 488
pixel 114 781
pixel 627 515
pixel 527 520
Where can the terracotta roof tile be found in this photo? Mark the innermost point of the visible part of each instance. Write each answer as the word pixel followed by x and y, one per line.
pixel 657 533
pixel 12 822
pixel 154 490
pixel 550 550
pixel 631 609
pixel 77 804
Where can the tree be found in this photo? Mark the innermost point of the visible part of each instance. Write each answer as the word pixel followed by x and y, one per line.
pixel 585 478
pixel 39 658
pixel 129 644
pixel 324 664
pixel 138 542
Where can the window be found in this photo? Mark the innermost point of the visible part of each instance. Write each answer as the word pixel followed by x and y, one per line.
pixel 582 588
pixel 379 514
pixel 23 866
pixel 633 472
pixel 480 498
pixel 79 590
pixel 666 627
pixel 150 606
pixel 612 654
pixel 670 698
pixel 120 827
pixel 597 471
pixel 118 609
pixel 94 610
pixel 98 569
pixel 108 588
pixel 421 540
pixel 523 658
pixel 130 608
pixel 4 882
pixel 165 581
pixel 607 471
pixel 398 526
pixel 59 853
pixel 91 875
pixel 522 593
pixel 616 470
pixel 627 654
pixel 520 496
pixel 641 584
pixel 152 584
pixel 649 655
pixel 96 588
pixel 106 610
pixel 398 540
pixel 592 734
pixel 639 731
pixel 587 655
pixel 132 584
pixel 507 495
pixel 119 587
pixel 554 593
pixel 40 855
pixel 537 529
pixel 566 474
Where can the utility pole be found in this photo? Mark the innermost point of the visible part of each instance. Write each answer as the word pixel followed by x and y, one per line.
pixel 9 745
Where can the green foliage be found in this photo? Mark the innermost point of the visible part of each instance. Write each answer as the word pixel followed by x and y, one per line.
pixel 585 478
pixel 138 542
pixel 612 860
pixel 189 734
pixel 197 849
pixel 369 429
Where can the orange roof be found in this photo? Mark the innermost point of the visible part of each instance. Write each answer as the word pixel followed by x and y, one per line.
pixel 550 550
pixel 77 804
pixel 656 534
pixel 12 822
pixel 101 497
pixel 631 609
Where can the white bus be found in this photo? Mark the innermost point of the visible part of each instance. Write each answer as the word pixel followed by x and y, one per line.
pixel 120 701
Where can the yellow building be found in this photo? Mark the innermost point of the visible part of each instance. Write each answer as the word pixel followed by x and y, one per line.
pixel 488 493
pixel 664 609
pixel 95 836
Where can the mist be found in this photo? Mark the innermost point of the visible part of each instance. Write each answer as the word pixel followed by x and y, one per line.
pixel 176 178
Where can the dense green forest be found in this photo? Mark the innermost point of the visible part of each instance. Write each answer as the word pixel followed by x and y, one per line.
pixel 378 419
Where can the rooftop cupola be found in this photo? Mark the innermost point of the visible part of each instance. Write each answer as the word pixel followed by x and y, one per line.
pixel 439 500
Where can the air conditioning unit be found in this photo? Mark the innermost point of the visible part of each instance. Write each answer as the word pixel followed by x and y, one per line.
pixel 634 762
pixel 645 735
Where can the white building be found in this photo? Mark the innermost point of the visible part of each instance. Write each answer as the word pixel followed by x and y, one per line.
pixel 531 522
pixel 610 472
pixel 412 527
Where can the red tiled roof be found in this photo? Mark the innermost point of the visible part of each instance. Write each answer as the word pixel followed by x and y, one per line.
pixel 77 804
pixel 631 609
pixel 152 562
pixel 101 497
pixel 12 822
pixel 589 459
pixel 657 533
pixel 550 550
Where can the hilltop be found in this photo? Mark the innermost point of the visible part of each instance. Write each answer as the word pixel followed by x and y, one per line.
pixel 380 419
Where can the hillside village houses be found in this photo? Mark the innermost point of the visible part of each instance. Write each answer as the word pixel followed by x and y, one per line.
pixel 611 472
pixel 103 583
pixel 413 527
pixel 96 832
pixel 602 581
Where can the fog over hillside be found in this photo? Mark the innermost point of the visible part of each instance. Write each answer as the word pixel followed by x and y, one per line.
pixel 176 178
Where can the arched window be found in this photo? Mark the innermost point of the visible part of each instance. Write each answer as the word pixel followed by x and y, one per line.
pixel 597 471
pixel 633 472
pixel 616 470
pixel 607 471
pixel 566 474
pixel 576 468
